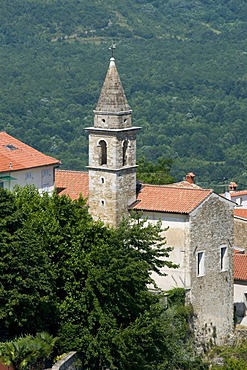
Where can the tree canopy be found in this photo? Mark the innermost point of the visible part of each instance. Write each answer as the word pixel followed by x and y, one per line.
pixel 87 284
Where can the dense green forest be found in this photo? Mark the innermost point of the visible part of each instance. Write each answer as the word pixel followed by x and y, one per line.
pixel 182 64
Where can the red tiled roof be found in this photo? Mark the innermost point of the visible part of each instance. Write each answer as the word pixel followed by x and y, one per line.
pixel 72 183
pixel 164 198
pixel 15 155
pixel 170 199
pixel 240 212
pixel 238 193
pixel 240 266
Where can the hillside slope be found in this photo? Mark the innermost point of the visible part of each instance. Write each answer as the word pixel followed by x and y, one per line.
pixel 182 64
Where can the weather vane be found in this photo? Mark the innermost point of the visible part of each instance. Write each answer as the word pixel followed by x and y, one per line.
pixel 112 48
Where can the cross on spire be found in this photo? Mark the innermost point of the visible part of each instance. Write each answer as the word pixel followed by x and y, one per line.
pixel 112 48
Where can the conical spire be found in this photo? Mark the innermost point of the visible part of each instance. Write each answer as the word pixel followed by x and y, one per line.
pixel 112 97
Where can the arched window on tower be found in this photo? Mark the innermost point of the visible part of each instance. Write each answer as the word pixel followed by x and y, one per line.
pixel 125 146
pixel 103 152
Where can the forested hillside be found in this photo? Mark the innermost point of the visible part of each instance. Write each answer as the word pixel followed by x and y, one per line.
pixel 183 65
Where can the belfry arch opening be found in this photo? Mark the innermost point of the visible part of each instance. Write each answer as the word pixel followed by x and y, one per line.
pixel 125 147
pixel 103 152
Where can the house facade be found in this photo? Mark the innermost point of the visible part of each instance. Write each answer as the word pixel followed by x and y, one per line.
pixel 200 231
pixel 23 165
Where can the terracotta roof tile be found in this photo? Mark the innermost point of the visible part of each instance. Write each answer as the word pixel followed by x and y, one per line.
pixel 240 212
pixel 240 266
pixel 238 193
pixel 170 199
pixel 15 155
pixel 72 183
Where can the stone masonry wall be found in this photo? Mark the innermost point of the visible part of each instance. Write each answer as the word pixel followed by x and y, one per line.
pixel 114 148
pixel 240 233
pixel 109 200
pixel 212 293
pixel 112 186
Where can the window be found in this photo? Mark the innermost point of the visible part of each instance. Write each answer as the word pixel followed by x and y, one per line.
pixel 45 179
pixel 200 267
pixel 45 172
pixel 103 152
pixel 102 180
pixel 102 202
pixel 223 258
pixel 10 147
pixel 28 177
pixel 125 146
pixel 1 184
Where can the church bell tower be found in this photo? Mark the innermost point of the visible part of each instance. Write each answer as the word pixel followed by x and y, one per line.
pixel 112 153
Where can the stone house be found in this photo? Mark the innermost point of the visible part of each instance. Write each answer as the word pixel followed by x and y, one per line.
pixel 23 165
pixel 238 197
pixel 200 230
pixel 200 222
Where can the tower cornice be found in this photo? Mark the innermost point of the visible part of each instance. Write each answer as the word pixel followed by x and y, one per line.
pixel 106 113
pixel 112 130
pixel 107 169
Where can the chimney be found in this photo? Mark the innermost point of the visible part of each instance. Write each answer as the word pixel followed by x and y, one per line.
pixel 232 186
pixel 190 177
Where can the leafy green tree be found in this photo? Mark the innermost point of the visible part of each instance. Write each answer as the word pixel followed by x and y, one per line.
pixel 151 173
pixel 108 296
pixel 87 283
pixel 27 284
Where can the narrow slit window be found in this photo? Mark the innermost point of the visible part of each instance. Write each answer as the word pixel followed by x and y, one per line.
pixel 200 264
pixel 223 258
pixel 125 146
pixel 103 152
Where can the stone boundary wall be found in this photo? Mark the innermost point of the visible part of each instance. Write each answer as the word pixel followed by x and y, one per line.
pixel 66 363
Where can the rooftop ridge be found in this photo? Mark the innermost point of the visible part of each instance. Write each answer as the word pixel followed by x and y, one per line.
pixel 173 186
pixel 72 171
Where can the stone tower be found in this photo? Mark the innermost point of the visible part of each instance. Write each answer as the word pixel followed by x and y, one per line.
pixel 112 153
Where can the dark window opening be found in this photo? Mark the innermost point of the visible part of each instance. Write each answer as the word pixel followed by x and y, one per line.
pixel 103 152
pixel 125 146
pixel 10 147
pixel 223 258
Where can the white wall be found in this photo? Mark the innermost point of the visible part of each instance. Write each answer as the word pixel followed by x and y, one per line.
pixel 241 201
pixel 41 177
pixel 240 298
pixel 177 237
